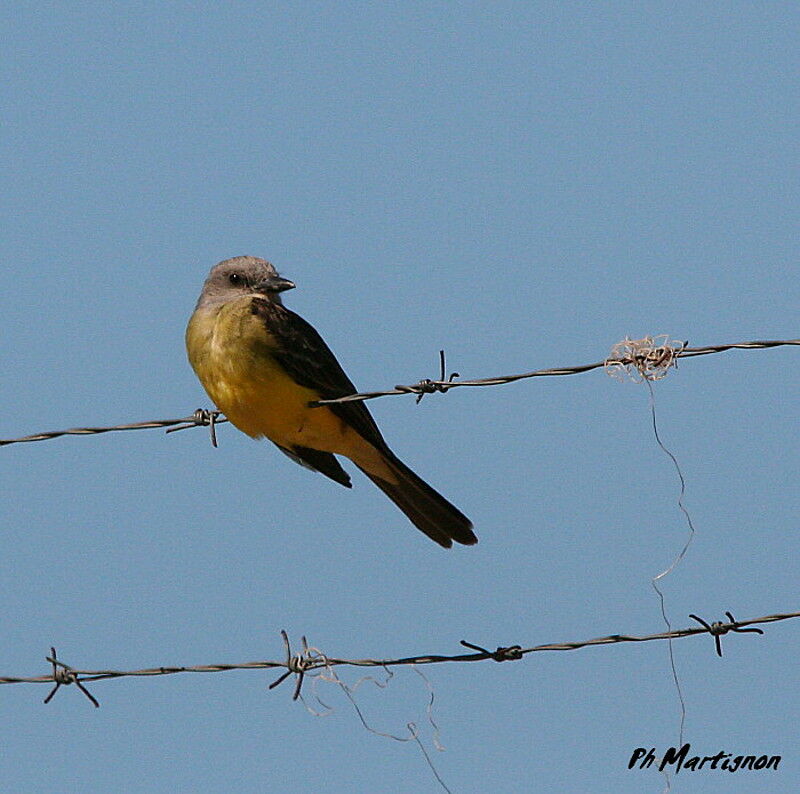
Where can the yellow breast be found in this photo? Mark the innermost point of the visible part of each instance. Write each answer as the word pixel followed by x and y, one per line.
pixel 231 350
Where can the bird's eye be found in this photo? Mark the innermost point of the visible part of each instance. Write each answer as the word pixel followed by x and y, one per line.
pixel 235 279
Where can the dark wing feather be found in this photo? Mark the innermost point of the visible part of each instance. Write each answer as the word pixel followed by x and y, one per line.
pixel 302 352
pixel 323 462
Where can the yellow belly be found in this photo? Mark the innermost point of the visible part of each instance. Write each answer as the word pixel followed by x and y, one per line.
pixel 231 352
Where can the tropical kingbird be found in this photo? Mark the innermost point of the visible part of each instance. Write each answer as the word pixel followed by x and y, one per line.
pixel 264 366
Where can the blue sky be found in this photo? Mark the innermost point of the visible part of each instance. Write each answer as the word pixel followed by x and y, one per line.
pixel 521 184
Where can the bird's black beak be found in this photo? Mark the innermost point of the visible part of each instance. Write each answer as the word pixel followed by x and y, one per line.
pixel 275 284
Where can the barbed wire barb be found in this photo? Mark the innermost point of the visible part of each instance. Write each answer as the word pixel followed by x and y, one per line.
pixel 202 417
pixel 297 664
pixel 718 628
pixel 426 385
pixel 64 675
pixel 511 653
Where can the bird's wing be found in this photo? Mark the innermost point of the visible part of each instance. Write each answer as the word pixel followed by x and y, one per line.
pixel 303 354
pixel 323 462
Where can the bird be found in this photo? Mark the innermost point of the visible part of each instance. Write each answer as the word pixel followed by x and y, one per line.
pixel 265 367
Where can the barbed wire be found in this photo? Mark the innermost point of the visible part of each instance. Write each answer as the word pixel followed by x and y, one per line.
pixel 638 359
pixel 310 659
pixel 644 359
pixel 202 417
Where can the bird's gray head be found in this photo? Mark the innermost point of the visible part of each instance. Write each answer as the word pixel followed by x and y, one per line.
pixel 242 275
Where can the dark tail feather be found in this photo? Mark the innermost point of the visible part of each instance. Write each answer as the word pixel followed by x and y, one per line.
pixel 427 509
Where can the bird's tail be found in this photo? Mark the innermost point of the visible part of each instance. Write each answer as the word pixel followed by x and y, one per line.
pixel 427 509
